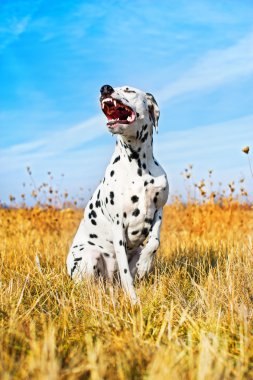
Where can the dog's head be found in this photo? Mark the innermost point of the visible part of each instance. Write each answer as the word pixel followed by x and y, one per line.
pixel 127 109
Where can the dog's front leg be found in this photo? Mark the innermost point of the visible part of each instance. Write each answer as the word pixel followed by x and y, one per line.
pixel 121 256
pixel 145 262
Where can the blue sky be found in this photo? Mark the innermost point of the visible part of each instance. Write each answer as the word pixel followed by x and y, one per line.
pixel 196 57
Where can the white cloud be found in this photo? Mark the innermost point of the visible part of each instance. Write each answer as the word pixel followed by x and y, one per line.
pixel 208 139
pixel 217 147
pixel 15 19
pixel 214 69
pixel 13 30
pixel 53 144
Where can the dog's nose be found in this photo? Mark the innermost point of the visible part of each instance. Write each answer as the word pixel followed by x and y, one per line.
pixel 106 90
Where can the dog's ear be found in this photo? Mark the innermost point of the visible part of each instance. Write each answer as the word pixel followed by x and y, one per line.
pixel 154 111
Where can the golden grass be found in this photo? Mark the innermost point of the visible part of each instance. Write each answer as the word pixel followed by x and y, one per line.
pixel 195 317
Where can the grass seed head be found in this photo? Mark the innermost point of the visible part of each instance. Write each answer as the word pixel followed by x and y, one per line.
pixel 246 149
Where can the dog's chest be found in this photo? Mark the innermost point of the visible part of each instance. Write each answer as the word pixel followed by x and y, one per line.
pixel 142 198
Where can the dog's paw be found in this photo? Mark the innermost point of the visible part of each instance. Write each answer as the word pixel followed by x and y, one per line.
pixel 144 265
pixel 135 301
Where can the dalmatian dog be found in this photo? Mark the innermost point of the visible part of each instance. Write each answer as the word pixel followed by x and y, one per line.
pixel 119 234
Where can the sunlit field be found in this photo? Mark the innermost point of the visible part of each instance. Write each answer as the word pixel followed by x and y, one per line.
pixel 195 318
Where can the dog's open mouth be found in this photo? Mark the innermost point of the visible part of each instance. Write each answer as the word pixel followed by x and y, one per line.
pixel 117 112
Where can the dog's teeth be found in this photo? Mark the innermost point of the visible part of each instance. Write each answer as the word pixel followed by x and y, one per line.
pixel 130 118
pixel 103 105
pixel 115 103
pixel 106 100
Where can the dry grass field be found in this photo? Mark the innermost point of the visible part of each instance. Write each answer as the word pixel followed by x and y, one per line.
pixel 195 319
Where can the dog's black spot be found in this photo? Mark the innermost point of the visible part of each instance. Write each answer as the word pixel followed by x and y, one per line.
pixel 72 270
pixel 112 173
pixel 93 236
pixel 152 181
pixel 93 214
pixel 156 163
pixel 90 242
pixel 136 212
pixel 106 200
pixel 124 214
pixel 141 133
pixel 144 231
pixel 137 114
pixel 111 194
pixel 98 194
pixel 93 222
pixel 81 249
pixel 75 246
pixel 117 158
pixel 129 91
pixel 145 183
pixel 155 199
pixel 134 155
pixel 125 270
pixel 144 138
pixel 78 259
pixel 148 220
pixel 134 198
pixel 135 232
pixel 97 204
pixel 106 254
pixel 91 206
pixel 144 166
pixel 139 172
pixel 120 242
pixel 117 221
pixel 112 202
